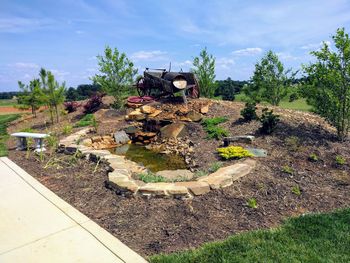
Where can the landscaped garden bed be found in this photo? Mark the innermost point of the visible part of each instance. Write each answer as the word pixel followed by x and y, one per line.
pixel 306 170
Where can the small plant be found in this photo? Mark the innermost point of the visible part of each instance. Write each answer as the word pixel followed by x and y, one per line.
pixel 93 104
pixel 151 178
pixel 287 169
pixel 27 130
pixel 292 143
pixel 85 121
pixel 67 129
pixel 249 111
pixel 213 131
pixel 94 123
pixel 71 106
pixel 200 173
pixel 296 190
pixel 340 160
pixel 234 152
pixel 214 167
pixel 252 203
pixel 269 121
pixel 313 157
pixel 52 141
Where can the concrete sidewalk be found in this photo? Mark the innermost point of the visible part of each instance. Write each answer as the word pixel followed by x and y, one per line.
pixel 38 226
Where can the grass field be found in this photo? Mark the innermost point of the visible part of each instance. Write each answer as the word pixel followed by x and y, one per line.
pixel 8 102
pixel 4 120
pixel 299 104
pixel 309 238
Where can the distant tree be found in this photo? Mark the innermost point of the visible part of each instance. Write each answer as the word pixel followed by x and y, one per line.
pixel 329 83
pixel 270 81
pixel 204 69
pixel 228 88
pixel 117 73
pixel 31 96
pixel 72 94
pixel 53 93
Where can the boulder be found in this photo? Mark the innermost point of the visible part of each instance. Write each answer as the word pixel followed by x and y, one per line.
pixel 121 137
pixel 242 138
pixel 194 116
pixel 196 188
pixel 176 175
pixel 155 113
pixel 205 109
pixel 136 116
pixel 173 130
pixel 131 130
pixel 147 109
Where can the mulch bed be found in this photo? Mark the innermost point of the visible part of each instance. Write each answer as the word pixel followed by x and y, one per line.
pixel 152 226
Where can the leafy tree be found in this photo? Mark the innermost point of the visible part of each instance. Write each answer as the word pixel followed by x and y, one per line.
pixel 228 88
pixel 270 81
pixel 204 69
pixel 117 73
pixel 31 96
pixel 54 93
pixel 328 88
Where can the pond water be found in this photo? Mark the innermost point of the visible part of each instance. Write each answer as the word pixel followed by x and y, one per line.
pixel 153 161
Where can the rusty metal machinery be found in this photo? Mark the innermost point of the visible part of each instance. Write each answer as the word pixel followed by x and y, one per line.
pixel 160 83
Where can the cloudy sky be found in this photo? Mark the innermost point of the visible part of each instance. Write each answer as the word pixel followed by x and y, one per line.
pixel 65 36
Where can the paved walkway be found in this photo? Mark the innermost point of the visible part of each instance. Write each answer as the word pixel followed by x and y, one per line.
pixel 38 226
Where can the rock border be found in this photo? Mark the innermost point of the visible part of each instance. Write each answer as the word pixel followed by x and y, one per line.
pixel 121 169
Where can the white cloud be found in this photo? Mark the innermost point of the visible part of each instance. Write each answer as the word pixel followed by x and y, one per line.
pixel 250 51
pixel 225 63
pixel 149 55
pixel 286 56
pixel 315 45
pixel 79 32
pixel 24 65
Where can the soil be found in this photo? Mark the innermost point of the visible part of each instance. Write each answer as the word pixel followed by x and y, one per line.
pixel 151 226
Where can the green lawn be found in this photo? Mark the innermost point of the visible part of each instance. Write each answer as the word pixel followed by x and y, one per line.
pixel 299 104
pixel 309 238
pixel 4 120
pixel 8 102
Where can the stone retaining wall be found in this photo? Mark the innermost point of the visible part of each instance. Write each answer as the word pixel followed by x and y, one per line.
pixel 121 170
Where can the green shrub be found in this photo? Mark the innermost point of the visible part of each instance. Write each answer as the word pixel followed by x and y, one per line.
pixel 234 152
pixel 340 160
pixel 200 173
pixel 252 203
pixel 313 157
pixel 296 190
pixel 249 111
pixel 213 131
pixel 151 178
pixel 287 169
pixel 52 141
pixel 292 143
pixel 67 129
pixel 87 120
pixel 214 167
pixel 27 130
pixel 269 121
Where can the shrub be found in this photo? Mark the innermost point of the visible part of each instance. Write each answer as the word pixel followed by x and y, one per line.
pixel 340 160
pixel 67 129
pixel 52 141
pixel 269 121
pixel 294 96
pixel 151 178
pixel 93 104
pixel 71 106
pixel 292 143
pixel 87 120
pixel 215 166
pixel 234 152
pixel 296 190
pixel 313 157
pixel 287 169
pixel 214 132
pixel 252 203
pixel 249 111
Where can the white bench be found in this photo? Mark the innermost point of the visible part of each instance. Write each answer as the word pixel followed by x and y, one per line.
pixel 22 140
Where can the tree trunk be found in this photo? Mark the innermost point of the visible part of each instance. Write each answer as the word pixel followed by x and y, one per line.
pixel 57 116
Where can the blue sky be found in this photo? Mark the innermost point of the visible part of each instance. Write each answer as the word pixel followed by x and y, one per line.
pixel 65 36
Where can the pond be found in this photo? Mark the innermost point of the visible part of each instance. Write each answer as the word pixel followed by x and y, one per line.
pixel 153 161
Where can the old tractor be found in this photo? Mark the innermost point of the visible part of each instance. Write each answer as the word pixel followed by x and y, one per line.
pixel 160 82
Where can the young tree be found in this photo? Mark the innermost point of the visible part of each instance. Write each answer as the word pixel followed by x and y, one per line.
pixel 204 69
pixel 328 89
pixel 54 93
pixel 117 73
pixel 31 96
pixel 270 81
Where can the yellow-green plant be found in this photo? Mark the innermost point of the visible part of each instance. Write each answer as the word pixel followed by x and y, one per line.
pixel 252 203
pixel 234 152
pixel 67 129
pixel 340 160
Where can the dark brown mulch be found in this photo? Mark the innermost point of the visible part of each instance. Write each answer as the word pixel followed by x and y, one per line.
pixel 168 225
